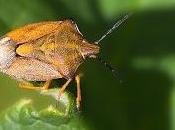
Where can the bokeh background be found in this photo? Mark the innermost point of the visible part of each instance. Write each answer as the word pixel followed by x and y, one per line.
pixel 143 50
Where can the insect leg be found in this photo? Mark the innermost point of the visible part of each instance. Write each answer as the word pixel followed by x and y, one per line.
pixel 28 85
pixel 46 85
pixel 61 91
pixel 78 100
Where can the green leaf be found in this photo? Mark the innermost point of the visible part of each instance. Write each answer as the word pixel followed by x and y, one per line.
pixel 23 116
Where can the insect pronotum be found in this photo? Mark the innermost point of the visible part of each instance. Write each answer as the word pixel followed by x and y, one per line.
pixel 45 51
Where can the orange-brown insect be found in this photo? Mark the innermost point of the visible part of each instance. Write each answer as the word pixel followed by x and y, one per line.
pixel 45 51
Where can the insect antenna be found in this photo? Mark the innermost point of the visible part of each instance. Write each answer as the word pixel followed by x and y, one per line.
pixel 110 67
pixel 115 26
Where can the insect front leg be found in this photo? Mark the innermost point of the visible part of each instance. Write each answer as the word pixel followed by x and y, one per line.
pixel 78 99
pixel 61 91
pixel 28 85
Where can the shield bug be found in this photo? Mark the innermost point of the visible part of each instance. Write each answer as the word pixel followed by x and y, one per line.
pixel 46 51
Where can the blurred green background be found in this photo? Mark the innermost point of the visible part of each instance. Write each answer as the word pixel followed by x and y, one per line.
pixel 143 50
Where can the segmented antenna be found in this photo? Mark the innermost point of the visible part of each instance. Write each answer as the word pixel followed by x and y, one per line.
pixel 115 26
pixel 112 69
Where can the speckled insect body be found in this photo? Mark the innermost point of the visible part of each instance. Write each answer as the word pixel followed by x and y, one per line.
pixel 45 51
pixel 45 55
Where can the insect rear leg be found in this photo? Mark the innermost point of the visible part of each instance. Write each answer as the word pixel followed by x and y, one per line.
pixel 28 85
pixel 78 99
